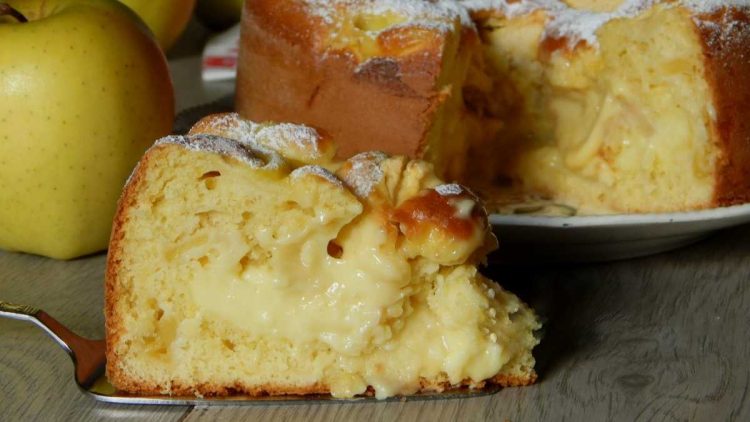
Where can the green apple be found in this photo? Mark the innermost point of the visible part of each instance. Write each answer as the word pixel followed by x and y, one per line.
pixel 84 90
pixel 219 14
pixel 166 18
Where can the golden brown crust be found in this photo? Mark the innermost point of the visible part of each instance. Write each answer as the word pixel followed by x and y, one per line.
pixel 216 390
pixel 423 214
pixel 113 324
pixel 307 146
pixel 208 125
pixel 726 44
pixel 388 102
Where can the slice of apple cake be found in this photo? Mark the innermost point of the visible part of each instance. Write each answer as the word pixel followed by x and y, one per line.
pixel 237 266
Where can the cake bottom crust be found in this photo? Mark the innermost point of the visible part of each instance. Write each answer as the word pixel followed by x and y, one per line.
pixel 240 389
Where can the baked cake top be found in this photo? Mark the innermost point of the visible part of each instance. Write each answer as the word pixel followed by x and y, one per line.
pixel 298 143
pixel 437 14
pixel 577 21
pixel 274 145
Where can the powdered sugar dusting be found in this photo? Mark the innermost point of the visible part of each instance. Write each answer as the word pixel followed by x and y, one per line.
pixel 729 30
pixel 709 6
pixel 563 21
pixel 317 171
pixel 725 33
pixel 437 14
pixel 219 145
pixel 362 172
pixel 285 137
pixel 292 141
pixel 580 26
pixel 577 25
pixel 452 189
pixel 509 8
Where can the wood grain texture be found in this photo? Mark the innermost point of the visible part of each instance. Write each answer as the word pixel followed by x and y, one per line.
pixel 36 376
pixel 658 338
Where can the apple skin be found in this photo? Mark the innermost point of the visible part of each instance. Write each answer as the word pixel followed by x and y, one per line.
pixel 167 19
pixel 219 14
pixel 83 93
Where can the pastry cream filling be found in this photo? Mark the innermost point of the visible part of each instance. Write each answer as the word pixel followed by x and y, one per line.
pixel 449 134
pixel 253 275
pixel 301 292
pixel 620 128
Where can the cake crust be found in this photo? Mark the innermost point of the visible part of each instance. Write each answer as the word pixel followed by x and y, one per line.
pixel 726 44
pixel 218 390
pixel 113 325
pixel 387 101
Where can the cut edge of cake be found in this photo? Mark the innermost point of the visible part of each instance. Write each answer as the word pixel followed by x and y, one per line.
pixel 565 30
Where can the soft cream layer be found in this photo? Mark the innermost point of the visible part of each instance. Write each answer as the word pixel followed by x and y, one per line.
pixel 620 128
pixel 231 279
pixel 300 292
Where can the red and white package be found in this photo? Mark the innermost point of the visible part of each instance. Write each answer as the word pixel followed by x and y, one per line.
pixel 220 55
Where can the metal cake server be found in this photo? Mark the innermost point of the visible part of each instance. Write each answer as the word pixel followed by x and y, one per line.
pixel 89 361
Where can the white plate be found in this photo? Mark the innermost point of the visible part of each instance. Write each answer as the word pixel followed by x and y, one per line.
pixel 530 238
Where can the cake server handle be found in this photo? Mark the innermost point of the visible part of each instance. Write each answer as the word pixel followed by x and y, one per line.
pixel 88 355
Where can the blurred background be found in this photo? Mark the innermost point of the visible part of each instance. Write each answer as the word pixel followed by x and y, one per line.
pixel 203 56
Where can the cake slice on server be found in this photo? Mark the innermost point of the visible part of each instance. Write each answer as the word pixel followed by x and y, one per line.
pixel 244 260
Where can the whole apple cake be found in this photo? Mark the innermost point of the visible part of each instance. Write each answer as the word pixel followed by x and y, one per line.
pixel 607 106
pixel 244 259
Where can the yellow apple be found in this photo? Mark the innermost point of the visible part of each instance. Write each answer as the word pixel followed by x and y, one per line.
pixel 166 18
pixel 84 90
pixel 219 14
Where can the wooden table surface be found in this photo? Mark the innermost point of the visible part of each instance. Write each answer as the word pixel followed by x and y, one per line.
pixel 657 338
